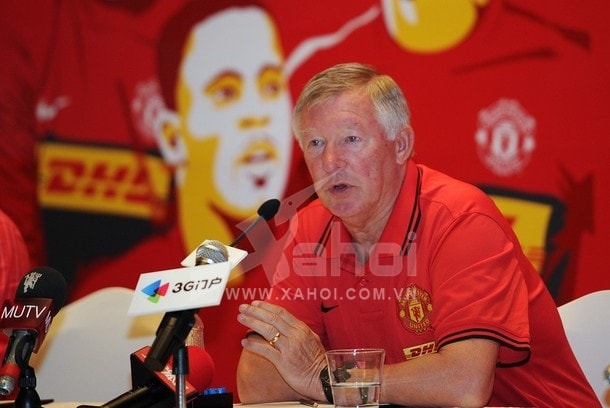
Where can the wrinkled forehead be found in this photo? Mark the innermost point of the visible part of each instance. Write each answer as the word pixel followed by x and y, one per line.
pixel 242 40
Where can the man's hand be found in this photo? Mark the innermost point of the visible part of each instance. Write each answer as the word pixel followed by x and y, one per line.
pixel 288 343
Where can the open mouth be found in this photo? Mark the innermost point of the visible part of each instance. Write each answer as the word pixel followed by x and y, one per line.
pixel 260 181
pixel 339 187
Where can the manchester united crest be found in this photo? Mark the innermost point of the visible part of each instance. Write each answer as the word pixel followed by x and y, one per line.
pixel 506 137
pixel 414 307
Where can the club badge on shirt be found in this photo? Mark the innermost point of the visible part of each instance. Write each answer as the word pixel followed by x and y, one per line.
pixel 414 307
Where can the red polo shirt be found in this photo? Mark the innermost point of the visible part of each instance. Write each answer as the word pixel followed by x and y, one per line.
pixel 447 268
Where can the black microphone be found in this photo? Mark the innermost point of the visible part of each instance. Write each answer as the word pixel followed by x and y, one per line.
pixel 40 295
pixel 175 326
pixel 266 211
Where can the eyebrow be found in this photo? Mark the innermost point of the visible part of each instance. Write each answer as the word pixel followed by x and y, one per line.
pixel 222 74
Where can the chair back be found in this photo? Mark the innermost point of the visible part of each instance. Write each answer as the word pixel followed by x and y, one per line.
pixel 586 321
pixel 85 355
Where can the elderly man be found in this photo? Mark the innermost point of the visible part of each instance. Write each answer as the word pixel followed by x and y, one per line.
pixel 399 256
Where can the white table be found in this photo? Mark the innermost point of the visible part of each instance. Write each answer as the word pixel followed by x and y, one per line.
pixel 265 405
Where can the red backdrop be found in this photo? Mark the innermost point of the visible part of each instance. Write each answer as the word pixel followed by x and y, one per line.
pixel 512 96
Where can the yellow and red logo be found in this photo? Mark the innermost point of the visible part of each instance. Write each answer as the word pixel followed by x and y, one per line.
pixel 414 307
pixel 419 350
pixel 101 179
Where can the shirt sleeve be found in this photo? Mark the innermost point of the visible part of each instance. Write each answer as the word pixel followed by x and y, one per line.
pixel 479 288
pixel 14 262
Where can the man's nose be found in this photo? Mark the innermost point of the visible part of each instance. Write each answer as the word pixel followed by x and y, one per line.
pixel 332 158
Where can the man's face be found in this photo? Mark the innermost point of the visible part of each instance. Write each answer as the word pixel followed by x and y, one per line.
pixel 235 109
pixel 354 168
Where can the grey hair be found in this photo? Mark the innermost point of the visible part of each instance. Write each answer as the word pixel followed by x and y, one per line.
pixel 389 103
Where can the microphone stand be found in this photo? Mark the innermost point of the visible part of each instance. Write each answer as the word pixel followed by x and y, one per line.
pixel 28 396
pixel 171 340
pixel 181 370
pixel 171 335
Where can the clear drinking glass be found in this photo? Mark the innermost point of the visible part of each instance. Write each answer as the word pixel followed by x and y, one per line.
pixel 355 376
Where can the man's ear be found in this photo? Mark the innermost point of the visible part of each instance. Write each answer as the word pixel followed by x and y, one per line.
pixel 169 138
pixel 404 144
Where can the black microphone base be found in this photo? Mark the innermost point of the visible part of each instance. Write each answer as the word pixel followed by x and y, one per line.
pixel 223 400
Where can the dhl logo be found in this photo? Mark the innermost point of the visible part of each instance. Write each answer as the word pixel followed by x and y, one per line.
pixel 101 180
pixel 419 350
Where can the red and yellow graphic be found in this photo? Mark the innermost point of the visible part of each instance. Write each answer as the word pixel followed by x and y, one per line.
pixel 430 26
pixel 101 180
pixel 414 306
pixel 419 350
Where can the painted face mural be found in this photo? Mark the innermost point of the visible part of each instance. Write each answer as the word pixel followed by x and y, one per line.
pixel 235 97
pixel 225 128
pixel 229 135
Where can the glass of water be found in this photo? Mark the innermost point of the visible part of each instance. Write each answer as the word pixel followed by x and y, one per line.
pixel 355 376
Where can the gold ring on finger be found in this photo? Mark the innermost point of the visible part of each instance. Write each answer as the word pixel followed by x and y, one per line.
pixel 274 339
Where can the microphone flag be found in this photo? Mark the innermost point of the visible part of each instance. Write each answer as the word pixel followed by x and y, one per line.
pixel 192 287
pixel 142 376
pixel 27 314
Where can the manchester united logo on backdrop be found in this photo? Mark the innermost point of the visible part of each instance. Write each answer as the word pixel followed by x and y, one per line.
pixel 505 137
pixel 414 307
